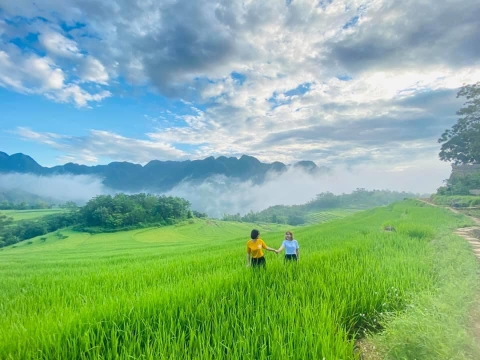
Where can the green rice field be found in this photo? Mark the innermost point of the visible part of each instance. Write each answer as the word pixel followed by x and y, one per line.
pixel 30 214
pixel 324 216
pixel 184 291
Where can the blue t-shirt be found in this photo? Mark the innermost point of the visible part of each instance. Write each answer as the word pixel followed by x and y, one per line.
pixel 290 246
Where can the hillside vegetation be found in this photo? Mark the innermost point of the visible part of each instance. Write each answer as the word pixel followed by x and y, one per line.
pixel 457 201
pixel 18 215
pixel 325 206
pixel 183 291
pixel 103 213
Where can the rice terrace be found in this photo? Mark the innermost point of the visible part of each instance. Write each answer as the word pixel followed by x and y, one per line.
pixel 155 294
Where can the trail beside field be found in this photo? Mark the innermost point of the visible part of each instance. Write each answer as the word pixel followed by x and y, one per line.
pixel 472 235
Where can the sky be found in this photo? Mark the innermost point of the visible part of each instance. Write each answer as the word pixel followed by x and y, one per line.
pixel 367 84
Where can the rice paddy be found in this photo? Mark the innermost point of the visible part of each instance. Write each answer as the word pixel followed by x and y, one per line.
pixel 184 292
pixel 30 214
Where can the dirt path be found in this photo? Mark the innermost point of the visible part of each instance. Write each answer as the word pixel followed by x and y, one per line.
pixel 468 232
pixel 472 235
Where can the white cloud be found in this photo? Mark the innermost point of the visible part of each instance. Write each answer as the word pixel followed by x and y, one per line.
pixel 74 93
pixel 61 188
pixel 98 144
pixel 189 50
pixel 92 70
pixel 218 196
pixel 59 45
pixel 31 74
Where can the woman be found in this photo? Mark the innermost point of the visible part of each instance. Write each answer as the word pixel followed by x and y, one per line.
pixel 255 248
pixel 291 247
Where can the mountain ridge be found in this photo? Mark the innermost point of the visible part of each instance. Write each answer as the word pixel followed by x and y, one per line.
pixel 157 175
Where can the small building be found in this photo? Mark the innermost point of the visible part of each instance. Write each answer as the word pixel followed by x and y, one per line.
pixel 475 192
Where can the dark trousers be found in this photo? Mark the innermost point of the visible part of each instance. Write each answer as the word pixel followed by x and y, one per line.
pixel 291 257
pixel 259 262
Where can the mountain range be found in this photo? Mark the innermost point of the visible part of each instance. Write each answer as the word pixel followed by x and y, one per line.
pixel 158 175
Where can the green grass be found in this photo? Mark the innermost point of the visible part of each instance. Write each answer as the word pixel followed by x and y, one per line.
pixel 471 212
pixel 323 216
pixel 456 200
pixel 183 292
pixel 436 325
pixel 30 214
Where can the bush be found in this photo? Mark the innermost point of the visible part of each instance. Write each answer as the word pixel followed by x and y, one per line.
pixel 460 184
pixel 475 202
pixel 60 236
pixel 457 201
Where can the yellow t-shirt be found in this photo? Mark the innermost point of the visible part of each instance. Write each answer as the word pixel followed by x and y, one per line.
pixel 254 248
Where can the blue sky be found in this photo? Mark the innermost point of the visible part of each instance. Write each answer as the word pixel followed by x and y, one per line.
pixel 336 82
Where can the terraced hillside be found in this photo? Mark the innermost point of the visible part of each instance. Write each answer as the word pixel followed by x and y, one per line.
pixel 184 292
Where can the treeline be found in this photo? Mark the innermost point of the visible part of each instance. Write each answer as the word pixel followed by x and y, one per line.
pixel 459 184
pixel 10 205
pixel 296 214
pixel 103 213
pixel 360 198
pixel 457 201
pixel 16 199
pixel 122 211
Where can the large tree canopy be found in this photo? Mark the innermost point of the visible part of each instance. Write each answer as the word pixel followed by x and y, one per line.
pixel 461 143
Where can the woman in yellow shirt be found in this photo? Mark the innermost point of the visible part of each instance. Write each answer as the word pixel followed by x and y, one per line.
pixel 255 248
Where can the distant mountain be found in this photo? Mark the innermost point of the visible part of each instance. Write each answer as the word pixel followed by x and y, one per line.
pixel 19 163
pixel 157 175
pixel 17 196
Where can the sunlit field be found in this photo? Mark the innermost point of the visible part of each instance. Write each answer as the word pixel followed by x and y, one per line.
pixel 184 292
pixel 323 216
pixel 30 214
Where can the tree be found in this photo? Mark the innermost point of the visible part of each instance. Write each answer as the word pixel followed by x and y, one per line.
pixel 5 221
pixel 69 205
pixel 461 143
pixel 296 219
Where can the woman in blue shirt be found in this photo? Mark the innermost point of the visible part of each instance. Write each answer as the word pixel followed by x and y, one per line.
pixel 291 247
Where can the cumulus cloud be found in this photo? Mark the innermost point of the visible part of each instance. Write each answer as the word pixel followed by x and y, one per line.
pixel 57 44
pixel 383 132
pixel 279 80
pixel 399 35
pixel 98 144
pixel 93 70
pixel 29 74
pixel 32 74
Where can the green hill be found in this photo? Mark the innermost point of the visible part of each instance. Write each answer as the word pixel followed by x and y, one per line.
pixel 324 207
pixel 30 214
pixel 183 291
